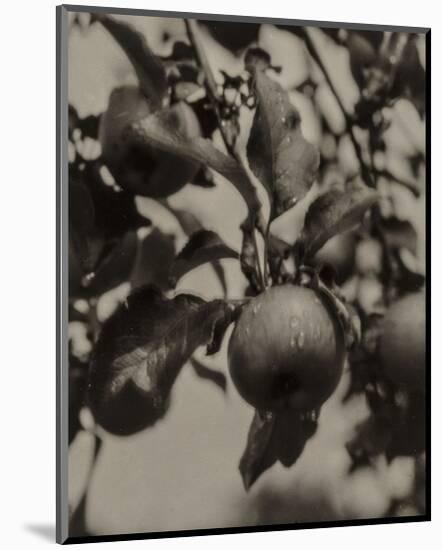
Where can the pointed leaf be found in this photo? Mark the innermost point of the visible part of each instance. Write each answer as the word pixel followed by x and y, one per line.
pixel 190 224
pixel 275 436
pixel 336 211
pixel 155 255
pixel 149 68
pixel 399 234
pixel 155 131
pixel 259 455
pixel 279 156
pixel 140 352
pixel 202 247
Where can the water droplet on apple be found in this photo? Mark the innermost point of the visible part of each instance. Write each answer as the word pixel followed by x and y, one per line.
pixel 301 340
pixel 294 322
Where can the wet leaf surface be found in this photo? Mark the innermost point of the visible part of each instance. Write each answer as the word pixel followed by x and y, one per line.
pixel 140 352
pixel 155 131
pixel 279 156
pixel 275 436
pixel 333 212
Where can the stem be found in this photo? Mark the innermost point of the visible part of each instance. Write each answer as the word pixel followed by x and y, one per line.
pixel 212 92
pixel 258 262
pixel 266 246
pixel 211 85
pixel 410 186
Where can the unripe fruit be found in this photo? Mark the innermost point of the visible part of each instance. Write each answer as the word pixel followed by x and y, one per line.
pixel 138 167
pixel 287 350
pixel 402 343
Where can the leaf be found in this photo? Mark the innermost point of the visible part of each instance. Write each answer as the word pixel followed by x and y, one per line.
pixel 202 247
pixel 371 439
pixel 336 211
pixel 140 352
pixel 149 68
pixel 190 224
pixel 275 436
pixel 279 156
pixel 205 372
pixel 155 255
pixel 115 210
pixel 116 267
pixel 155 131
pixel 259 455
pixel 399 234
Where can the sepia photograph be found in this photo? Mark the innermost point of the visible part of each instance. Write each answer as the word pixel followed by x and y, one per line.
pixel 247 331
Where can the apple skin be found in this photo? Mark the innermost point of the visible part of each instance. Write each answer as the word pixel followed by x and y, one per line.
pixel 287 350
pixel 137 167
pixel 402 344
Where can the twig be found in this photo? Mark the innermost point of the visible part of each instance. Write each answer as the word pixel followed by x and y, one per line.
pixel 412 187
pixel 267 245
pixel 212 92
pixel 365 171
pixel 211 85
pixel 348 120
pixel 258 262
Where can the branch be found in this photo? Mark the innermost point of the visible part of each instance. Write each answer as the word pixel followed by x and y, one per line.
pixel 365 171
pixel 311 46
pixel 212 92
pixel 211 85
pixel 412 187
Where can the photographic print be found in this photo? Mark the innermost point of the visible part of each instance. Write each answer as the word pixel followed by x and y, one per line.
pixel 243 234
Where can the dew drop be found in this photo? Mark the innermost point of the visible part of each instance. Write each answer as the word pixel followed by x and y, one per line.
pixel 301 340
pixel 288 139
pixel 294 322
pixel 317 334
pixel 293 342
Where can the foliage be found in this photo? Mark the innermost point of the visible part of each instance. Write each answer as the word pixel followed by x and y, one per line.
pixel 127 376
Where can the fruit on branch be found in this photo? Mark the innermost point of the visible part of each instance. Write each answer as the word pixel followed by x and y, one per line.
pixel 138 167
pixel 402 343
pixel 287 350
pixel 338 252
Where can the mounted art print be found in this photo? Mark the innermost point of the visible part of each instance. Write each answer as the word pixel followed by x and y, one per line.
pixel 243 305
